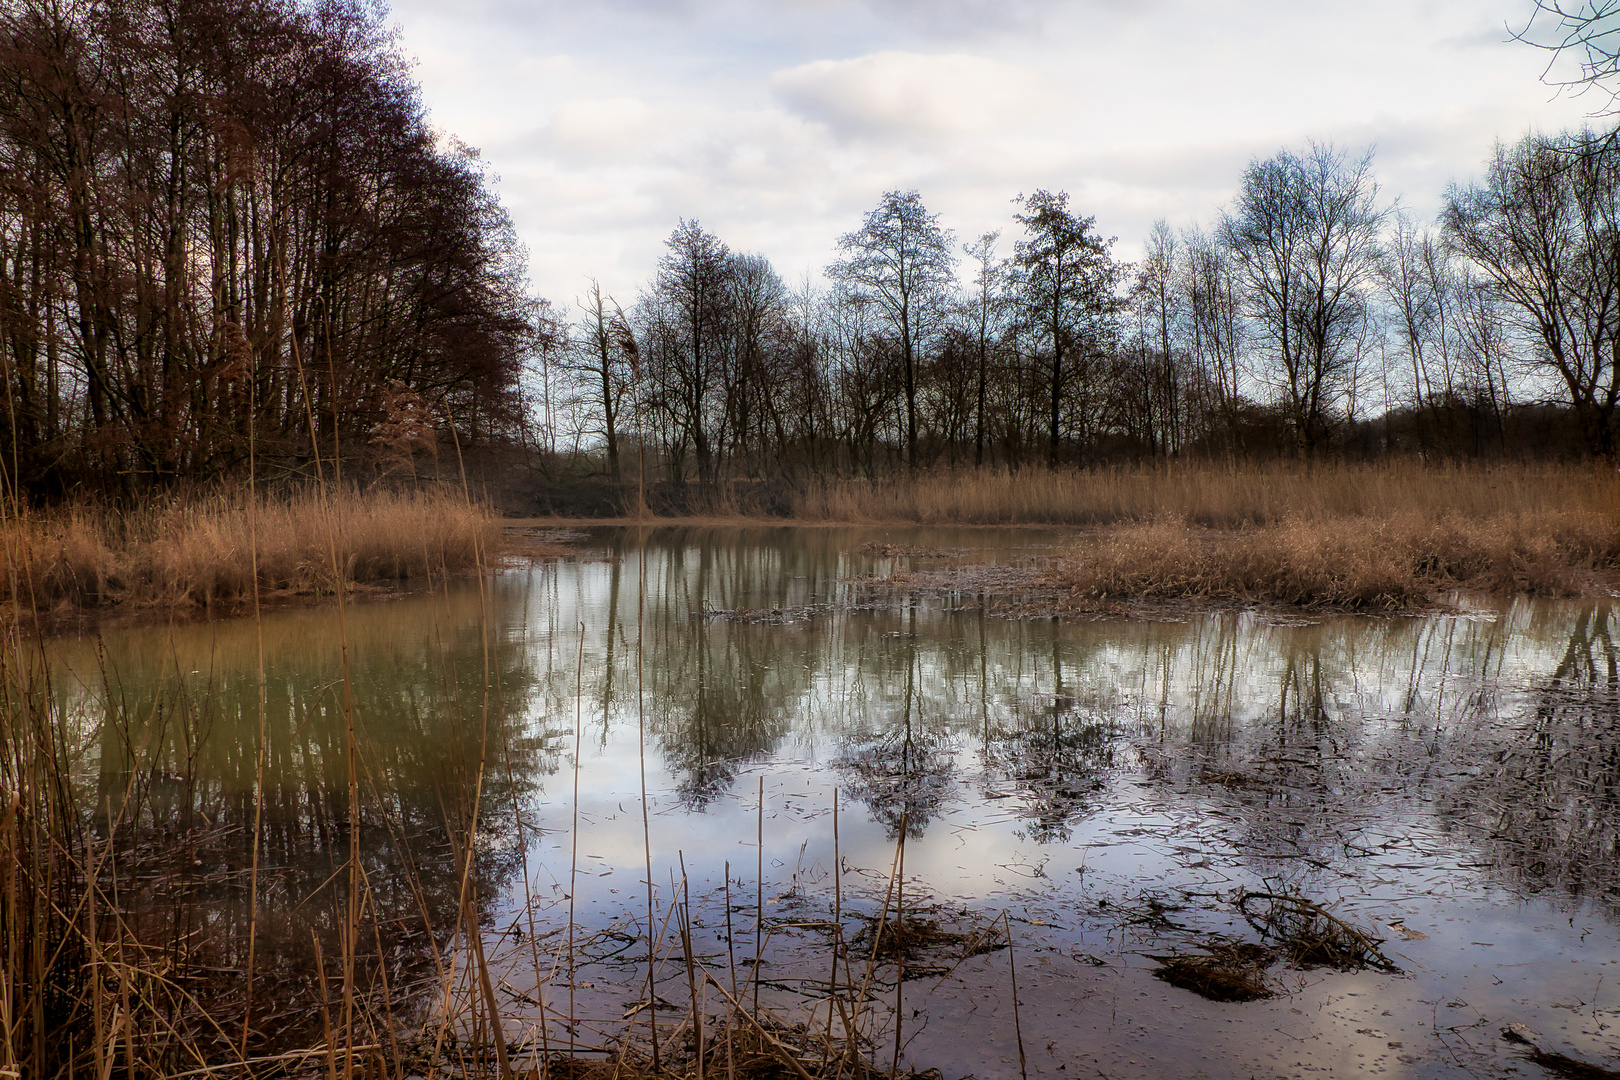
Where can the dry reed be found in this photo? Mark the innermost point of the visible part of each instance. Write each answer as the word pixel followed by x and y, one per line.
pixel 1365 537
pixel 201 552
pixel 1382 564
pixel 1216 496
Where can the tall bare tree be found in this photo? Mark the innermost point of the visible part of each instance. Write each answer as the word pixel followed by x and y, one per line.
pixel 1541 228
pixel 1067 284
pixel 1304 234
pixel 900 260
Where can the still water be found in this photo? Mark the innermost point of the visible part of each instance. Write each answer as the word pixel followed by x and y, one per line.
pixel 1449 784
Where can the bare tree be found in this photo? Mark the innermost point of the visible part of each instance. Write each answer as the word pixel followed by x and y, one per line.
pixel 1541 229
pixel 1066 284
pixel 985 306
pixel 603 351
pixel 692 290
pixel 1587 31
pixel 1216 327
pixel 900 260
pixel 1160 302
pixel 1304 235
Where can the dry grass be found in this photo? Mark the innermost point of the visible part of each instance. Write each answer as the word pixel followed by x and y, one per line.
pixel 198 552
pixel 1356 563
pixel 1379 537
pixel 1215 496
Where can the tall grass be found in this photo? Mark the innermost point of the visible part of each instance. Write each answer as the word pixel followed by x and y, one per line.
pixel 1394 563
pixel 1214 496
pixel 201 551
pixel 1384 536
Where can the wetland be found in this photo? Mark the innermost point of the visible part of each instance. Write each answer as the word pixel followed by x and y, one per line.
pixel 835 778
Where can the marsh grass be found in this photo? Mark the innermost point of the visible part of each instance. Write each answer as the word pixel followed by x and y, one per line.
pixel 198 552
pixel 1209 495
pixel 1361 537
pixel 1393 563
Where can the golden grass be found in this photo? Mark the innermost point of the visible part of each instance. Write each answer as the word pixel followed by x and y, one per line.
pixel 1386 536
pixel 1385 564
pixel 200 552
pixel 1215 496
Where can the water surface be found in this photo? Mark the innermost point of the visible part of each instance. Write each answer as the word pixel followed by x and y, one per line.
pixel 1448 783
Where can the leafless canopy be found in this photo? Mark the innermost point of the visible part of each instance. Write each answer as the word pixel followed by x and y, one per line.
pixel 1587 30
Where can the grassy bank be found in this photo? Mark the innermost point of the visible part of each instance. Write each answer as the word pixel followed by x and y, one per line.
pixel 200 552
pixel 1380 537
pixel 1400 562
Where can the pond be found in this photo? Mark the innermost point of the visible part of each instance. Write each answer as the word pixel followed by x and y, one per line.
pixel 1145 809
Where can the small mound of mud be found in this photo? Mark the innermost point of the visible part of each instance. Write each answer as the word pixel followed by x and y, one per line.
pixel 1234 972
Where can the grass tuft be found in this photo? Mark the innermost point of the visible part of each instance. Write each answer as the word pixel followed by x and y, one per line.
pixel 197 553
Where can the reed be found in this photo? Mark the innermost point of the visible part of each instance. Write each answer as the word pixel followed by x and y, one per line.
pixel 1402 561
pixel 212 550
pixel 1215 496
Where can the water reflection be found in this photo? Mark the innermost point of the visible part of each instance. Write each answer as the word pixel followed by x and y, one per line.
pixel 172 733
pixel 1409 757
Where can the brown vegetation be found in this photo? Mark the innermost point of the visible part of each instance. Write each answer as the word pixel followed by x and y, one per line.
pixel 1215 496
pixel 191 553
pixel 1364 537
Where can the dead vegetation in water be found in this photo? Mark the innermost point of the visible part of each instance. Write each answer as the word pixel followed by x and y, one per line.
pixel 881 550
pixel 1292 929
pixel 924 942
pixel 1222 972
pixel 1309 935
pixel 1555 1062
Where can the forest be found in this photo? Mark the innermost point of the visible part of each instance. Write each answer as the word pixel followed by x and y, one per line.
pixel 229 235
pixel 232 242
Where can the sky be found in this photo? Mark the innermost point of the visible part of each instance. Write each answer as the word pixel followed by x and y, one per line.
pixel 777 124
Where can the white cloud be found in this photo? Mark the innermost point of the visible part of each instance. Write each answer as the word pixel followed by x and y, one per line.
pixel 778 123
pixel 899 93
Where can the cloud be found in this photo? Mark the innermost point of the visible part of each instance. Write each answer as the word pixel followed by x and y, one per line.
pixel 604 129
pixel 886 94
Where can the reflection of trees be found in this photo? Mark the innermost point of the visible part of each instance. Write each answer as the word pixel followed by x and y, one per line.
pixel 722 689
pixel 903 768
pixel 1059 765
pixel 178 732
pixel 1056 758
pixel 1545 797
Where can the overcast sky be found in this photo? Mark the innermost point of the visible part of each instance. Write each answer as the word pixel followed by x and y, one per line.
pixel 776 124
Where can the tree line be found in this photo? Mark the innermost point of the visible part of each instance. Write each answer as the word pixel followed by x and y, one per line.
pixel 1312 317
pixel 227 229
pixel 229 234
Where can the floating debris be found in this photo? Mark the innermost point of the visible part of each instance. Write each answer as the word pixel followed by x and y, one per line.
pixel 1311 936
pixel 1561 1065
pixel 1234 972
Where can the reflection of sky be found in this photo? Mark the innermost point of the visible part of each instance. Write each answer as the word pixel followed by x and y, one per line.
pixel 1363 722
pixel 1365 764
